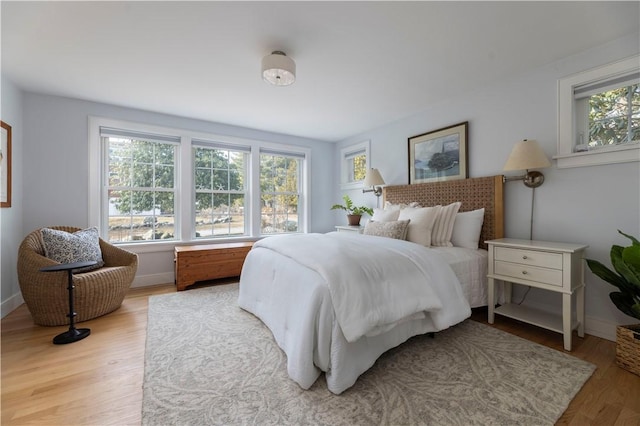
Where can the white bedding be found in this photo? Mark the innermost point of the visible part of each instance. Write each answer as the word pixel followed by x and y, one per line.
pixel 295 301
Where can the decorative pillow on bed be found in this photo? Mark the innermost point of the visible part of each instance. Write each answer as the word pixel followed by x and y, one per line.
pixel 466 229
pixel 395 229
pixel 391 206
pixel 421 225
pixel 442 229
pixel 81 246
pixel 380 215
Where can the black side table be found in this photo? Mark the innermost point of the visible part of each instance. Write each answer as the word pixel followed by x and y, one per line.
pixel 74 334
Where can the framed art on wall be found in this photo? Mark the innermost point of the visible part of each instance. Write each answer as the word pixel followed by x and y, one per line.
pixel 439 155
pixel 5 166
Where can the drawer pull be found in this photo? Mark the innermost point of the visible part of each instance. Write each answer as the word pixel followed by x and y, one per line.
pixel 524 272
pixel 525 257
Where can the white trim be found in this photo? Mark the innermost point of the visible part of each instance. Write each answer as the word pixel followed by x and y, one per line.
pixel 11 304
pixel 567 120
pixel 599 328
pixel 344 155
pixel 153 279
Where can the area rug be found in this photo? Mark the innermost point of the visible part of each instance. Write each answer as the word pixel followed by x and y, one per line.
pixel 209 362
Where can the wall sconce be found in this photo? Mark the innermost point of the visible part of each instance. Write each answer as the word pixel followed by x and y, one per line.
pixel 526 155
pixel 373 180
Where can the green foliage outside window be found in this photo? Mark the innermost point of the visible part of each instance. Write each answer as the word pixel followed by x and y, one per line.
pixel 279 177
pixel 614 116
pixel 359 167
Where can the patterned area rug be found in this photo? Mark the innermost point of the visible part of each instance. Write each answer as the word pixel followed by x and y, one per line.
pixel 209 362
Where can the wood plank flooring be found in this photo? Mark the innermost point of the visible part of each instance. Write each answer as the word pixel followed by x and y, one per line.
pixel 98 381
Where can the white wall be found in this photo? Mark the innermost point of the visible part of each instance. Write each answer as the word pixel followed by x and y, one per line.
pixel 56 170
pixel 583 205
pixel 11 218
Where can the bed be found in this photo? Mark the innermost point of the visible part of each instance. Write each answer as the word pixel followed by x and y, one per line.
pixel 314 291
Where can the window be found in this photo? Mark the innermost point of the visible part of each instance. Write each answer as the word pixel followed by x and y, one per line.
pixel 280 191
pixel 608 116
pixel 151 187
pixel 141 185
pixel 220 190
pixel 354 162
pixel 599 115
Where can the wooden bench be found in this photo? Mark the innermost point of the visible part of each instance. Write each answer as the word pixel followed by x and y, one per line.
pixel 208 262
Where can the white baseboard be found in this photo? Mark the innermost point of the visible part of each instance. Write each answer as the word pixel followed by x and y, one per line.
pixel 10 304
pixel 153 279
pixel 599 328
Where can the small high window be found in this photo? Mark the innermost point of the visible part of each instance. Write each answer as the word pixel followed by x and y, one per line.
pixel 354 161
pixel 599 115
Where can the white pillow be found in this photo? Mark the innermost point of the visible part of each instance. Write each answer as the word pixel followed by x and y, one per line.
pixel 396 229
pixel 421 223
pixel 380 215
pixel 466 229
pixel 442 229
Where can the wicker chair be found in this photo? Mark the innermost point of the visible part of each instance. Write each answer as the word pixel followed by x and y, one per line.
pixel 96 292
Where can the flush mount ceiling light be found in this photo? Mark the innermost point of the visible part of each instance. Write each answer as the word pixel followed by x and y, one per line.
pixel 278 69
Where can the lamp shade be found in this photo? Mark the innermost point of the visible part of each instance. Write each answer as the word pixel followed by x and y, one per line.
pixel 526 155
pixel 278 69
pixel 373 178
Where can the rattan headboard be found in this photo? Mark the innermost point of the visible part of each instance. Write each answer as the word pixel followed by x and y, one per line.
pixel 474 193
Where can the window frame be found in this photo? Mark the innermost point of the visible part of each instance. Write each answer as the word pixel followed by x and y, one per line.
pixel 106 187
pixel 300 193
pixel 246 152
pixel 567 119
pixel 185 195
pixel 345 153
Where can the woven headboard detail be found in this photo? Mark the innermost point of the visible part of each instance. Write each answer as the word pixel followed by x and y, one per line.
pixel 474 193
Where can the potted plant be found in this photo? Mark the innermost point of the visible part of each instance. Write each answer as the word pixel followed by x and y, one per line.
pixel 626 263
pixel 354 213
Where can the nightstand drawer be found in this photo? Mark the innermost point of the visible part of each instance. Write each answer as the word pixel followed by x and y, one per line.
pixel 529 257
pixel 530 273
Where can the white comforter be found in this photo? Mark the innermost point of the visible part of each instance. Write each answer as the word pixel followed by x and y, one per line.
pixel 335 302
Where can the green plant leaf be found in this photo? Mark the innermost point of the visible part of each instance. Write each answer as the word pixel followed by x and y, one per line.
pixel 606 274
pixel 634 241
pixel 631 256
pixel 624 304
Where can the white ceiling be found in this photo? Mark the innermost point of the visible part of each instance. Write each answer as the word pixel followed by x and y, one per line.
pixel 359 64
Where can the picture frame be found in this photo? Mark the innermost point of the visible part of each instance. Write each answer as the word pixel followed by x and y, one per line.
pixel 5 166
pixel 439 155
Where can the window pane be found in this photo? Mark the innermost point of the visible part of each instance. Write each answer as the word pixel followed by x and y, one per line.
pixel 220 192
pixel 203 179
pixel 357 168
pixel 279 183
pixel 614 116
pixel 141 181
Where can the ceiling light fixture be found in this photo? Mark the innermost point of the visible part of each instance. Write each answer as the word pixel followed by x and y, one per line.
pixel 278 69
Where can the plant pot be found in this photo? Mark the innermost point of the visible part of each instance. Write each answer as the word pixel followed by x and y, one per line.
pixel 628 347
pixel 354 219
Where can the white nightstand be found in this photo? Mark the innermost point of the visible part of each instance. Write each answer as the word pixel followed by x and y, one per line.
pixel 550 266
pixel 347 228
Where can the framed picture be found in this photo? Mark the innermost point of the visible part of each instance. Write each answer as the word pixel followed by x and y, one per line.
pixel 5 166
pixel 439 155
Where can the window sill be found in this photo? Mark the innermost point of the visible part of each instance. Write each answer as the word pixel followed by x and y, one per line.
pixel 169 246
pixel 597 157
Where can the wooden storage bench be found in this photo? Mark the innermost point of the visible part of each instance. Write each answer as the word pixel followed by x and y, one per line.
pixel 208 262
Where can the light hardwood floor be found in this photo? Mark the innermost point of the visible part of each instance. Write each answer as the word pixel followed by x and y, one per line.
pixel 98 381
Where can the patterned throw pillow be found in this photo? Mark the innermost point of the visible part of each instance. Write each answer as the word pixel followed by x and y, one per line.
pixel 396 229
pixel 81 246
